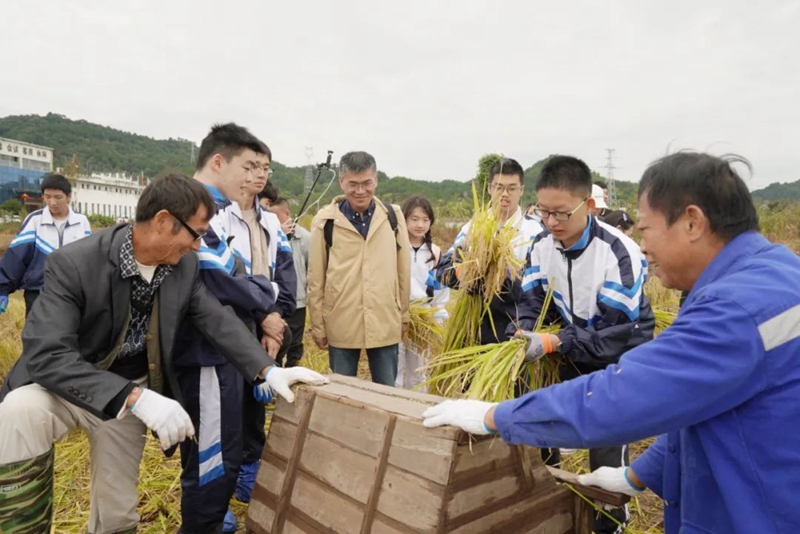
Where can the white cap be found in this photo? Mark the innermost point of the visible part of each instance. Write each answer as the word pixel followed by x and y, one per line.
pixel 599 198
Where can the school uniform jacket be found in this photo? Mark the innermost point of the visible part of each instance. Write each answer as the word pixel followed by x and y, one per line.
pixel 280 259
pixel 598 290
pixel 22 266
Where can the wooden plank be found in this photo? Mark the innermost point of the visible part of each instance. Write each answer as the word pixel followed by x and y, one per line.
pixel 592 492
pixel 271 471
pixel 482 495
pixel 357 427
pixel 259 516
pixel 487 454
pixel 410 500
pixel 388 433
pixel 292 411
pixel 386 525
pixel 526 466
pixel 328 508
pixel 392 400
pixel 348 471
pixel 547 513
pixel 281 439
pixel 291 467
pixel 583 516
pixel 420 451
pixel 359 384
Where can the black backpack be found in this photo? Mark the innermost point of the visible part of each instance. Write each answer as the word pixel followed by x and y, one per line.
pixel 328 229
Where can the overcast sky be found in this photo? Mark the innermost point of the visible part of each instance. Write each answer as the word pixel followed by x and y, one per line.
pixel 427 87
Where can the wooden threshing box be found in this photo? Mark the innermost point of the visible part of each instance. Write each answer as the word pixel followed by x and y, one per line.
pixel 353 457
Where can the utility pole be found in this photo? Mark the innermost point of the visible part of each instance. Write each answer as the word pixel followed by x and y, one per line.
pixel 612 186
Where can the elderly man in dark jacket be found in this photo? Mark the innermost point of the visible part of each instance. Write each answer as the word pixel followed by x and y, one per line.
pixel 97 354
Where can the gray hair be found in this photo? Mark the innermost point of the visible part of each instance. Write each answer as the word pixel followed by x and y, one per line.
pixel 357 163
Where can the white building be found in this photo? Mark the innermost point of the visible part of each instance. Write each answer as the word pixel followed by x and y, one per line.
pixel 113 194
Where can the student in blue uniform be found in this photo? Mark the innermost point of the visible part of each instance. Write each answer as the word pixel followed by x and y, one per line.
pixel 44 231
pixel 229 158
pixel 597 274
pixel 721 385
pixel 258 241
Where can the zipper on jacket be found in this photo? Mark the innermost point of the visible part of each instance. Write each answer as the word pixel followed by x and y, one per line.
pixel 569 282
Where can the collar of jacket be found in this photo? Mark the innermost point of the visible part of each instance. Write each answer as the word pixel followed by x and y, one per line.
pixel 586 237
pixel 117 235
pixel 515 219
pixel 348 210
pixel 738 249
pixel 221 200
pixel 47 217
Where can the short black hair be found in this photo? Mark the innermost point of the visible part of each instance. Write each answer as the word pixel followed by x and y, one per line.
pixel 601 184
pixel 357 162
pixel 509 167
pixel 270 192
pixel 566 173
pixel 674 182
pixel 619 219
pixel 178 194
pixel 56 181
pixel 229 140
pixel 280 201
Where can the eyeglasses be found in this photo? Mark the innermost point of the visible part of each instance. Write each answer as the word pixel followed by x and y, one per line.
pixel 365 186
pixel 253 169
pixel 511 188
pixel 195 235
pixel 557 215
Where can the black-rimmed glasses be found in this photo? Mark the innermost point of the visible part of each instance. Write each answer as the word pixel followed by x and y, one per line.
pixel 557 215
pixel 195 235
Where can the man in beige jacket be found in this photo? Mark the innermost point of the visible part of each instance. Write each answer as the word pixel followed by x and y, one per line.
pixel 358 275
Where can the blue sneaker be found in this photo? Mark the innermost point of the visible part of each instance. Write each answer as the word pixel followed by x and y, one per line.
pixel 246 481
pixel 229 523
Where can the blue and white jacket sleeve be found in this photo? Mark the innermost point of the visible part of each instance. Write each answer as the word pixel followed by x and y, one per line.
pixel 534 290
pixel 445 269
pixel 17 258
pixel 608 334
pixel 439 295
pixel 285 277
pixel 249 295
pixel 713 347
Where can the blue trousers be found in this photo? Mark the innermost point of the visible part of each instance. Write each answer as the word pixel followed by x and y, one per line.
pixel 213 398
pixel 382 363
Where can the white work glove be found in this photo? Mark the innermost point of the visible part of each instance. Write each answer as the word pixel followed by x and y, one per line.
pixel 280 380
pixel 465 414
pixel 165 417
pixel 611 479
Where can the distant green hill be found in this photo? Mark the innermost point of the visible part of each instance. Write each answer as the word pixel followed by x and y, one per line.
pixel 777 191
pixel 102 148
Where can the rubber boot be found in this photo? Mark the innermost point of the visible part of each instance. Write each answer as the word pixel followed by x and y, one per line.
pixel 26 495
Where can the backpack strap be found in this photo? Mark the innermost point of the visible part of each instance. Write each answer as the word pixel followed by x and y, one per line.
pixel 392 220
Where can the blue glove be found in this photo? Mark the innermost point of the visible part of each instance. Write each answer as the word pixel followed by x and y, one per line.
pixel 263 394
pixel 3 303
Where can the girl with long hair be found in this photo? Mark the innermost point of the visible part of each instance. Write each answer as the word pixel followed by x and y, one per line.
pixel 419 216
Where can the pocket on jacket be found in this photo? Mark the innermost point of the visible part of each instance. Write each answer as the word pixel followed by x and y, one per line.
pixel 329 300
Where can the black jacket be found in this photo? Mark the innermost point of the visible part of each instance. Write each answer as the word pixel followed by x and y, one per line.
pixel 81 312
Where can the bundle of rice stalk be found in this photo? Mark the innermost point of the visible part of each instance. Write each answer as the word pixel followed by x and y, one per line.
pixel 488 257
pixel 493 372
pixel 663 318
pixel 424 331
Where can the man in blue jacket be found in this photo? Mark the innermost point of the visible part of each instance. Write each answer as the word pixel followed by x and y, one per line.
pixel 721 385
pixel 44 231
